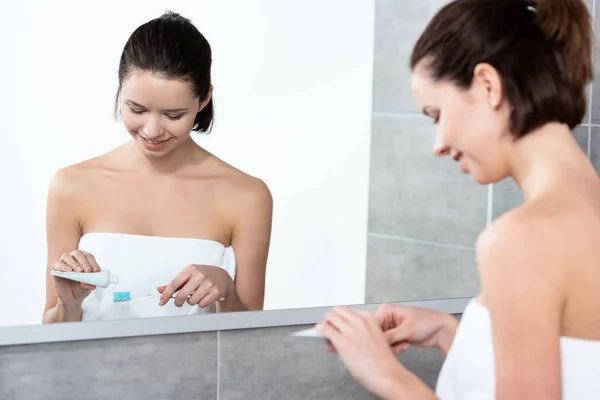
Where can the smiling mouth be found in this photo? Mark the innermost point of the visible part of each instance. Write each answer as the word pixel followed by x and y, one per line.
pixel 154 141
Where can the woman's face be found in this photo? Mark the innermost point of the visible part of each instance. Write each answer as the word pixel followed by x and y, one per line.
pixel 472 124
pixel 158 113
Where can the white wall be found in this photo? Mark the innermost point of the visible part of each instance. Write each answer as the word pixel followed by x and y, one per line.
pixel 293 99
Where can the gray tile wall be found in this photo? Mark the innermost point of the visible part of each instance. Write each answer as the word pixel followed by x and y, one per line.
pixel 424 215
pixel 246 364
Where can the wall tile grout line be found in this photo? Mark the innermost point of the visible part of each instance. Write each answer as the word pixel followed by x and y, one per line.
pixel 589 142
pixel 218 364
pixel 591 94
pixel 396 114
pixel 409 115
pixel 418 241
pixel 490 207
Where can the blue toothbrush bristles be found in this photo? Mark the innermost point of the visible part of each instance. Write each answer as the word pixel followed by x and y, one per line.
pixel 121 296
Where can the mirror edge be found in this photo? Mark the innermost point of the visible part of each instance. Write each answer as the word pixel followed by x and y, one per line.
pixel 122 328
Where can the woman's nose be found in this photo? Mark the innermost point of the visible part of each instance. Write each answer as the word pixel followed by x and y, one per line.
pixel 440 149
pixel 152 128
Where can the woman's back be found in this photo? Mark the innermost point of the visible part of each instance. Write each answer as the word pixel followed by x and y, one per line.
pixel 567 217
pixel 565 220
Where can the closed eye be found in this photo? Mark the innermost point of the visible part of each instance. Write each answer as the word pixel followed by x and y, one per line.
pixel 136 111
pixel 175 117
pixel 171 117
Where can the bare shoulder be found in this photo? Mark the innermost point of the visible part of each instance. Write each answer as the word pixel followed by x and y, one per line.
pixel 74 178
pixel 532 230
pixel 515 230
pixel 242 189
pixel 545 224
pixel 76 181
pixel 524 249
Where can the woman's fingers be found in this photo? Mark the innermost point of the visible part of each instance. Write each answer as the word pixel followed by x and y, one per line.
pixel 338 318
pixel 85 286
pixel 207 300
pixel 345 321
pixel 180 279
pixel 92 262
pixel 85 260
pixel 400 348
pixel 188 289
pixel 206 294
pixel 59 266
pixel 81 259
pixel 71 262
pixel 400 334
pixel 330 348
pixel 330 332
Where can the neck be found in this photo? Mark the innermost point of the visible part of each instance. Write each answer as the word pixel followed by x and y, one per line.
pixel 546 157
pixel 188 153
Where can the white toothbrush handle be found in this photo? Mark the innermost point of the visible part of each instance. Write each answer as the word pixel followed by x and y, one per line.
pixel 157 295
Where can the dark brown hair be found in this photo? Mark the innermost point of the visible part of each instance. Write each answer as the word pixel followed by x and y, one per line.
pixel 542 50
pixel 172 47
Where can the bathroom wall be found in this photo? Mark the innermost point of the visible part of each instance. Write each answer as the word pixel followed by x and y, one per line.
pixel 424 214
pixel 245 364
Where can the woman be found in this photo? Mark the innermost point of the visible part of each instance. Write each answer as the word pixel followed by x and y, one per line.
pixel 505 83
pixel 160 212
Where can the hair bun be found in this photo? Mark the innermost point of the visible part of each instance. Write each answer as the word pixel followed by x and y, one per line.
pixel 568 24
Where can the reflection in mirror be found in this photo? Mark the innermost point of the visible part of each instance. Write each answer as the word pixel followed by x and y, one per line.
pixel 233 176
pixel 159 210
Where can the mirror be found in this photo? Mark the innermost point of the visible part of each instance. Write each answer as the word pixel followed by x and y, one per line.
pixel 362 212
pixel 292 107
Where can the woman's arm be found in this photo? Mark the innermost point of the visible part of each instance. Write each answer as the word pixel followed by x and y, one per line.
pixel 62 236
pixel 405 326
pixel 522 282
pixel 405 385
pixel 445 336
pixel 251 236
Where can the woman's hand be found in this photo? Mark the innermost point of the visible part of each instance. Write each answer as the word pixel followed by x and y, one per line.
pixel 421 327
pixel 358 339
pixel 199 285
pixel 70 292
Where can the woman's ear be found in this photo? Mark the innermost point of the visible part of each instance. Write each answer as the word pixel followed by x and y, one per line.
pixel 207 99
pixel 488 84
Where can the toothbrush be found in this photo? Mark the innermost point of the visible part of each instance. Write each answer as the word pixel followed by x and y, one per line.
pixel 121 297
pixel 310 333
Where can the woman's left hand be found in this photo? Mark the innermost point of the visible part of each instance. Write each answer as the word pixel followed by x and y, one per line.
pixel 358 339
pixel 203 284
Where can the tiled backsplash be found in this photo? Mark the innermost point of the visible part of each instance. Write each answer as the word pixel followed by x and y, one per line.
pixel 266 364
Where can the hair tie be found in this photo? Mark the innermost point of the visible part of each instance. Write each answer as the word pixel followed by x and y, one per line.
pixel 526 6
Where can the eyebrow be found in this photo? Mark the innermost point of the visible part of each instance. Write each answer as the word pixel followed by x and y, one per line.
pixel 133 103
